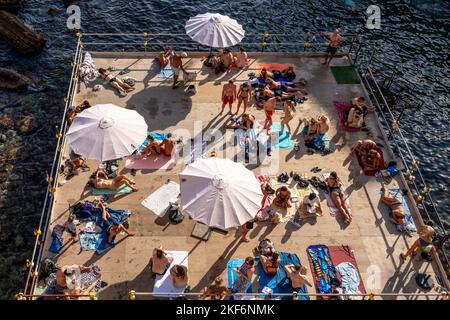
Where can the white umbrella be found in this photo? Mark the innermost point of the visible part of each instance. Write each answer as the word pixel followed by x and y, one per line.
pixel 106 132
pixel 219 192
pixel 214 30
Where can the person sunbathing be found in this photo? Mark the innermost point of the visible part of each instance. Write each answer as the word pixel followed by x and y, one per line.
pixel 288 116
pixel 396 206
pixel 265 75
pixel 323 124
pixel 163 58
pixel 121 86
pixel 152 148
pixel 285 87
pixel 267 93
pixel 289 73
pixel 160 261
pixel 282 198
pixel 75 111
pixel 244 94
pixel 311 129
pixel 114 229
pixel 101 181
pixel 179 275
pixel 362 148
pixel 334 186
pixel 355 117
pixel 216 291
pixel 373 161
pixel 245 123
pixel 297 275
pixel 78 293
pixel 167 146
pixel 225 60
pixel 424 243
pixel 271 264
pixel 241 58
pixel 245 273
pixel 66 272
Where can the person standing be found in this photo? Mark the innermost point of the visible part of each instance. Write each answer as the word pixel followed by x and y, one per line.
pixel 176 63
pixel 228 95
pixel 335 42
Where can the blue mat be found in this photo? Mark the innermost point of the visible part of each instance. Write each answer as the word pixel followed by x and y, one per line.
pixel 410 226
pixel 284 139
pixel 232 274
pixel 102 246
pixel 280 283
pixel 157 135
pixel 282 80
pixel 89 240
pixel 166 72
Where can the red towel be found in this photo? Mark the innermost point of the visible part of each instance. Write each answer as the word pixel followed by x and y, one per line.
pixel 341 254
pixel 372 172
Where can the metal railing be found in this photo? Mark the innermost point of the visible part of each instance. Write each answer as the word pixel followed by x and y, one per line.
pixel 354 50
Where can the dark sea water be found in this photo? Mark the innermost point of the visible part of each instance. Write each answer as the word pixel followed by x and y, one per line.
pixel 413 40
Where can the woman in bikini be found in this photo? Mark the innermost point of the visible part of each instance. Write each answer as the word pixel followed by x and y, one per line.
pixel 244 94
pixel 396 206
pixel 152 148
pixel 101 181
pixel 115 82
pixel 288 116
pixel 271 264
pixel 167 146
pixel 73 113
pixel 311 129
pixel 334 186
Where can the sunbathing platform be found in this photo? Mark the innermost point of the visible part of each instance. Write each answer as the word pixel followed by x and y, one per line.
pixel 375 242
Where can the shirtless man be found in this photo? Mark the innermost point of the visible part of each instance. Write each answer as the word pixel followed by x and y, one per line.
pixel 227 58
pixel 228 95
pixel 244 94
pixel 297 275
pixel 67 271
pixel 288 116
pixel 168 145
pixel 114 229
pixel 241 58
pixel 176 63
pixel 398 213
pixel 267 93
pixel 286 87
pixel 101 181
pixel 269 109
pixel 335 42
pixel 424 243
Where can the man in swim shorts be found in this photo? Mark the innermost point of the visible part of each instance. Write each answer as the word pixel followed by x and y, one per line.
pixel 228 95
pixel 335 42
pixel 176 63
pixel 269 109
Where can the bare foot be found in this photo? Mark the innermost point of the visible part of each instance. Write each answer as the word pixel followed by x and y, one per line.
pixel 123 93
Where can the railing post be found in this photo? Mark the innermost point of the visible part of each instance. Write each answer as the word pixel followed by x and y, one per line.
pixel 145 41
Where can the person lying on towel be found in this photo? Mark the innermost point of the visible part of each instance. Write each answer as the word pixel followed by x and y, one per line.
pixel 160 261
pixel 245 123
pixel 101 181
pixel 152 148
pixel 289 73
pixel 362 148
pixel 271 264
pixel 76 110
pixel 65 275
pixel 282 198
pixel 265 75
pixel 267 93
pixel 297 275
pixel 396 206
pixel 285 87
pixel 334 186
pixel 372 162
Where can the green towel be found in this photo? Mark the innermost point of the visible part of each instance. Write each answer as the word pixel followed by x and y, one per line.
pixel 345 75
pixel 122 189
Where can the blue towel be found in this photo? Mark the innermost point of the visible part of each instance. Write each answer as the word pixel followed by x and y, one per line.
pixel 410 226
pixel 166 72
pixel 282 80
pixel 280 283
pixel 56 245
pixel 232 274
pixel 284 139
pixel 102 245
pixel 158 136
pixel 89 240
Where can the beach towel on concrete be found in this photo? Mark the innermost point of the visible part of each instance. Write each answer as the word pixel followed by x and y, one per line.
pixel 233 275
pixel 322 267
pixel 163 283
pixel 161 162
pixel 345 262
pixel 334 211
pixel 89 240
pixel 343 108
pixel 159 200
pixel 372 172
pixel 121 190
pixel 410 226
pixel 284 139
pixel 165 72
pixel 280 283
pixel 102 243
pixel 119 216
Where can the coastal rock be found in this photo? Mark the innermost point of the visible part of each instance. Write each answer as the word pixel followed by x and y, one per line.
pixel 27 124
pixel 7 122
pixel 19 241
pixel 20 37
pixel 10 79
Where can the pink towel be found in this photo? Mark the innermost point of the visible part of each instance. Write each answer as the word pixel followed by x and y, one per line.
pixel 342 108
pixel 162 162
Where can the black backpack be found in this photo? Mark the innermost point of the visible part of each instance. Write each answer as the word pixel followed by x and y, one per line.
pixel 175 214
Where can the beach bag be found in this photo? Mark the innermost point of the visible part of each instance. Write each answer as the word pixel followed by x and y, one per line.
pixel 392 168
pixel 175 215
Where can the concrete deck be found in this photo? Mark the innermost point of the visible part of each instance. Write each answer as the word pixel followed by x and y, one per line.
pixel 373 238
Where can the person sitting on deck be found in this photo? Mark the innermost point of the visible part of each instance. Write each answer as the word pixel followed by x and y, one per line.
pixel 121 86
pixel 289 73
pixel 152 148
pixel 312 203
pixel 114 229
pixel 362 148
pixel 265 75
pixel 76 110
pixel 101 181
pixel 176 63
pixel 244 94
pixel 163 58
pixel 311 129
pixel 282 198
pixel 334 186
pixel 241 58
pixel 167 146
pixel 297 275
pixel 160 261
pixel 357 112
pixel 64 273
pixel 245 273
pixel 216 291
pixel 285 87
pixel 179 275
pixel 245 123
pixel 225 60
pixel 71 227
pixel 424 243
pixel 271 264
pixel 372 162
pixel 396 206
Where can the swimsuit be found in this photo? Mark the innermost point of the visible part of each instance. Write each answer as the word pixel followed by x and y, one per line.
pixel 331 49
pixel 227 99
pixel 269 114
